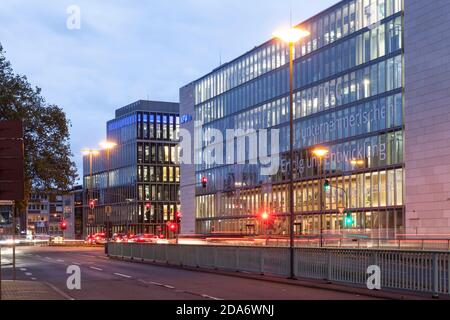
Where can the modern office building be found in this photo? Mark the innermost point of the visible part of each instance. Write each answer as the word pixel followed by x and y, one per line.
pixel 371 85
pixel 141 194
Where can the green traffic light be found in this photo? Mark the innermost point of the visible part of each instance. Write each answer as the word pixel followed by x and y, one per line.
pixel 348 221
pixel 327 185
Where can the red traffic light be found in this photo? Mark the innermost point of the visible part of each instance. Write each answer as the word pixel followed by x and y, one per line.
pixel 91 204
pixel 204 182
pixel 148 206
pixel 265 216
pixel 179 215
pixel 63 225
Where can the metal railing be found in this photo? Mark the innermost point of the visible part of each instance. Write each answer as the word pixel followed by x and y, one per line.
pixel 345 243
pixel 415 271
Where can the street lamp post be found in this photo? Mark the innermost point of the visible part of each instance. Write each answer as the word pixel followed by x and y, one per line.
pixel 291 36
pixel 91 153
pixel 107 146
pixel 320 153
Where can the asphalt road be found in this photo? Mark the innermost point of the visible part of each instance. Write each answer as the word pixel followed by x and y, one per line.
pixel 105 279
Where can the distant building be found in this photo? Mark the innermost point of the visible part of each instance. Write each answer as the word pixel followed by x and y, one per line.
pixel 142 191
pixel 45 213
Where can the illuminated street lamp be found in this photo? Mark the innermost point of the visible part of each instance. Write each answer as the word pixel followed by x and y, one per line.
pixel 321 153
pixel 107 146
pixel 357 162
pixel 291 36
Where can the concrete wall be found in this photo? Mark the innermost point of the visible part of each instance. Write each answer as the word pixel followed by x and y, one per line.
pixel 427 116
pixel 187 197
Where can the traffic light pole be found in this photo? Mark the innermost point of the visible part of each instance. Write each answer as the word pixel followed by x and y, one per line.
pixel 321 202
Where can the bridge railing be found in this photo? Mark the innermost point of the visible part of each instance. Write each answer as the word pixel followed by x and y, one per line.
pixel 415 271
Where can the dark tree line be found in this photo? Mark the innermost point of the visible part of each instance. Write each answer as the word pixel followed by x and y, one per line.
pixel 48 164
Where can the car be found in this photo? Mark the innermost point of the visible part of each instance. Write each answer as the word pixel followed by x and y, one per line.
pixel 119 237
pixel 145 238
pixel 98 238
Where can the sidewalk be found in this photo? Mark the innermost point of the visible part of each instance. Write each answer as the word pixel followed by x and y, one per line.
pixel 29 290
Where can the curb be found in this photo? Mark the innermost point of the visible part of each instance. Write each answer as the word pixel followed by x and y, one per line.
pixel 306 283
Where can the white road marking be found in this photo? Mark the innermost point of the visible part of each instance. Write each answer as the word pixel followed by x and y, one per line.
pixel 76 263
pixel 209 297
pixel 23 269
pixel 60 260
pixel 59 291
pixel 48 258
pixel 94 268
pixel 28 274
pixel 156 284
pixel 33 279
pixel 168 287
pixel 122 275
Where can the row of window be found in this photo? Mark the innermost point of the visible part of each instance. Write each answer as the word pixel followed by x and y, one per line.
pixel 157 153
pixel 374 224
pixel 364 83
pixel 376 115
pixel 159 192
pixel 377 151
pixel 158 213
pixel 158 126
pixel 358 191
pixel 325 29
pixel 354 52
pixel 158 174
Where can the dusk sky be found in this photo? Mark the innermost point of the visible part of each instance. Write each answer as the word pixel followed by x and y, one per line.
pixel 128 50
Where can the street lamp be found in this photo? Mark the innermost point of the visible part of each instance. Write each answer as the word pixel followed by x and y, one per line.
pixel 357 162
pixel 320 153
pixel 291 36
pixel 91 154
pixel 107 146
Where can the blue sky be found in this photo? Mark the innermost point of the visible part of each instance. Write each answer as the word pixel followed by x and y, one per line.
pixel 128 50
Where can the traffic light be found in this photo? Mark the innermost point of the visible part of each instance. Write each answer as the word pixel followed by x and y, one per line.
pixel 327 186
pixel 92 204
pixel 63 225
pixel 172 227
pixel 348 221
pixel 148 206
pixel 204 182
pixel 178 216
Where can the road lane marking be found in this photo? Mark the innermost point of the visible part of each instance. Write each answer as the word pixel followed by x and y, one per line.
pixel 76 263
pixel 59 291
pixel 28 274
pixel 60 260
pixel 210 297
pixel 94 268
pixel 48 258
pixel 23 269
pixel 168 287
pixel 33 279
pixel 122 275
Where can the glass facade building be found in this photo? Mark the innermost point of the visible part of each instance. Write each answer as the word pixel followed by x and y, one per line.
pixel 143 185
pixel 348 96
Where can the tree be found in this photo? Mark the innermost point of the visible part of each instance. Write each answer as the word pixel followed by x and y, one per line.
pixel 48 164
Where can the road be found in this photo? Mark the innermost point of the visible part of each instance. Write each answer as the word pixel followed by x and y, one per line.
pixel 105 279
